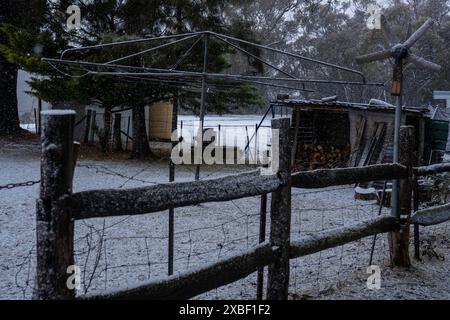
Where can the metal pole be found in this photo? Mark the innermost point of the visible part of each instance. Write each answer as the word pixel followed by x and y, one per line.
pixel 158 73
pixel 128 133
pixel 35 122
pixel 218 135
pixel 262 238
pixel 256 144
pixel 289 54
pixel 202 102
pixel 39 116
pixel 171 179
pixel 261 122
pixel 171 231
pixel 88 126
pixel 398 121
pixel 181 129
pixel 248 141
pixel 416 226
pixel 93 125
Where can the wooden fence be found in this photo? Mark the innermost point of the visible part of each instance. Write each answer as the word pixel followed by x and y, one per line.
pixel 58 207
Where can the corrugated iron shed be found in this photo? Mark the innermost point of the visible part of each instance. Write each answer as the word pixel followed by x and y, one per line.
pixel 342 106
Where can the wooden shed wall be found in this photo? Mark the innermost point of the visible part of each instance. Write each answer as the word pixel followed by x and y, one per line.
pixel 160 120
pixel 370 133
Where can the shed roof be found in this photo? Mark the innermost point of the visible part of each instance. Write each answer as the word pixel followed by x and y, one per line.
pixel 344 106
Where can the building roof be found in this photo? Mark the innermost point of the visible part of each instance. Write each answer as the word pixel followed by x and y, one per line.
pixel 343 106
pixel 439 113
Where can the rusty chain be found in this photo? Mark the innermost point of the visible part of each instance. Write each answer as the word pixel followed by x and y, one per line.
pixel 20 184
pixel 98 168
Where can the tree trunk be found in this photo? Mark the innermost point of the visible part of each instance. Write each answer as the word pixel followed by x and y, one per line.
pixel 9 116
pixel 141 147
pixel 117 147
pixel 105 132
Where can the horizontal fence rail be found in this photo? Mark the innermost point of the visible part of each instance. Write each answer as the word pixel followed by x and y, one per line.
pixel 102 203
pixel 134 201
pixel 323 178
pixel 229 270
pixel 432 216
pixel 432 169
pixel 334 177
pixel 340 236
pixel 193 283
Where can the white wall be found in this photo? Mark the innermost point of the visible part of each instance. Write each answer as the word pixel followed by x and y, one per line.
pixel 26 102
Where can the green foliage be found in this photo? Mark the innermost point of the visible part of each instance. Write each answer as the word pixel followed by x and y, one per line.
pixel 26 49
pixel 111 21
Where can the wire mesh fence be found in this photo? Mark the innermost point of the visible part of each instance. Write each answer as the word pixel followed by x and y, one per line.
pixel 218 230
pixel 113 257
pixel 121 251
pixel 245 133
pixel 324 272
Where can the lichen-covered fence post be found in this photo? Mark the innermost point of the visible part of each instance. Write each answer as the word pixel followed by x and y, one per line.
pixel 400 238
pixel 54 225
pixel 280 212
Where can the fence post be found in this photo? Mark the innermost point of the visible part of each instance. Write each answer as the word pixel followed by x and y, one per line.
pixel 54 226
pixel 400 238
pixel 280 212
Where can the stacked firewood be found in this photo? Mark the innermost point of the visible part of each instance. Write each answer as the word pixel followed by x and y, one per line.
pixel 319 156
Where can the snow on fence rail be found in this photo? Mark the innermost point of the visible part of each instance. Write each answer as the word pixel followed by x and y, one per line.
pixel 327 178
pixel 102 203
pixel 432 216
pixel 58 207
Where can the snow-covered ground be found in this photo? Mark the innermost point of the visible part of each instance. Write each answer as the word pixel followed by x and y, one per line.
pixel 120 251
